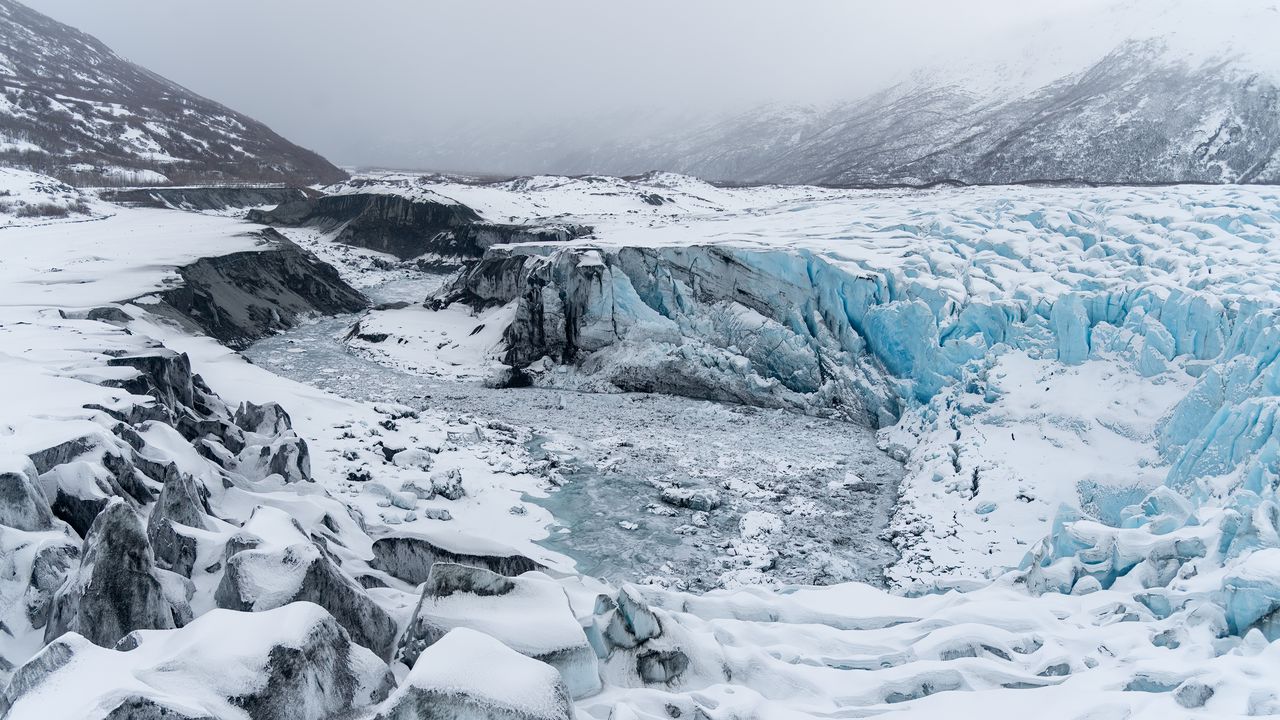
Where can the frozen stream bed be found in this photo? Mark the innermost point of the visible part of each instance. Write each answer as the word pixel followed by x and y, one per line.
pixel 801 499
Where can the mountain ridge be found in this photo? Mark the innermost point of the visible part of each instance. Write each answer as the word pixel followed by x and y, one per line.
pixel 72 108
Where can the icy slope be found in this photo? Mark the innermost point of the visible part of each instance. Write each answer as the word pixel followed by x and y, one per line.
pixel 72 108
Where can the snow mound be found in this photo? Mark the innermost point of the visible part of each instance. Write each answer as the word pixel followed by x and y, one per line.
pixel 469 674
pixel 294 661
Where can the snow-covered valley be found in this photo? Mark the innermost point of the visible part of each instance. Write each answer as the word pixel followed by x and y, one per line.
pixel 977 452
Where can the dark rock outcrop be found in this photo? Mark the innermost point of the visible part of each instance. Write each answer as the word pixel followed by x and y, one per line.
pixel 115 590
pixel 266 419
pixel 162 373
pixel 23 505
pixel 316 679
pixel 407 227
pixel 182 502
pixel 204 198
pixel 243 297
pixel 49 569
pixel 410 558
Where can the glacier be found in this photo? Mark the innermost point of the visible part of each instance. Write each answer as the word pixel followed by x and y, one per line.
pixel 1077 383
pixel 909 312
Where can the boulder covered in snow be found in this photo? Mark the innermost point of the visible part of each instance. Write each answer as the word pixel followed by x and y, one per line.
pixel 272 563
pixel 409 556
pixel 467 674
pixel 292 662
pixel 702 499
pixel 529 614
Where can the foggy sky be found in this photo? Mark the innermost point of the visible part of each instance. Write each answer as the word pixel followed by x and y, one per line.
pixel 364 82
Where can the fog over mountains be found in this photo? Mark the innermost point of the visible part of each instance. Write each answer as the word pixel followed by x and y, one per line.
pixel 827 93
pixel 1137 92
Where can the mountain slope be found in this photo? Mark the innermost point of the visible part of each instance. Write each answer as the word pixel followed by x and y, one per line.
pixel 1111 91
pixel 72 108
pixel 1130 118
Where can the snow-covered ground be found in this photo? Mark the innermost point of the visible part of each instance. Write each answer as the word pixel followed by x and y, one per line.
pixel 28 199
pixel 1086 385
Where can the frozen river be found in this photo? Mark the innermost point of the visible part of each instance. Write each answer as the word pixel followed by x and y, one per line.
pixel 803 500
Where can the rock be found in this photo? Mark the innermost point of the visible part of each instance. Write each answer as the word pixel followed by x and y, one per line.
pixel 632 622
pixel 1192 694
pixel 702 499
pixel 266 419
pixel 115 591
pixel 49 569
pixel 162 373
pixel 409 557
pixel 292 662
pixel 23 505
pixel 469 675
pixel 434 513
pixel 203 198
pixel 529 614
pixel 285 455
pixel 422 489
pixel 407 227
pixel 448 484
pixel 48 661
pixel 402 500
pixel 182 504
pixel 413 458
pixel 109 313
pixel 242 297
pixel 261 577
pixel 661 666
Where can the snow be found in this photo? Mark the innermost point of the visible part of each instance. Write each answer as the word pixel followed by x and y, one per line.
pixel 200 669
pixel 477 667
pixel 86 264
pixel 28 199
pixel 1086 379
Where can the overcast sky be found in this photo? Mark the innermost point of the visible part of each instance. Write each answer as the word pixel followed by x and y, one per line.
pixel 355 79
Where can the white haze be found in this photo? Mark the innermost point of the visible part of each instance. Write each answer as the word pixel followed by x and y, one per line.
pixel 375 82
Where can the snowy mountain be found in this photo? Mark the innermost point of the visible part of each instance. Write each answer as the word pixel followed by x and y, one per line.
pixel 72 108
pixel 1124 91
